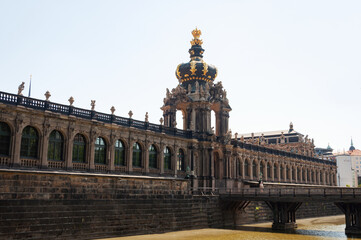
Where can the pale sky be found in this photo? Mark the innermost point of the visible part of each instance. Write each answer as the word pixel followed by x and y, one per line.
pixel 280 61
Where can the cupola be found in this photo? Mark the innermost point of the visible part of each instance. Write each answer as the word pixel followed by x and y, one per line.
pixel 196 70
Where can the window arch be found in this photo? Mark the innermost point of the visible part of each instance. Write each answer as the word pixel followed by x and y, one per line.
pixel 153 157
pixel 55 147
pixel 269 171
pixel 275 172
pixel 240 169
pixel 261 170
pixel 29 143
pixel 100 151
pixel 293 173
pixel 246 168
pixel 254 169
pixel 119 159
pixel 167 159
pixel 79 147
pixel 180 160
pixel 282 177
pixel 137 155
pixel 4 139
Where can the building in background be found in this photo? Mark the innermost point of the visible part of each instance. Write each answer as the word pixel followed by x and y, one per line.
pixel 349 167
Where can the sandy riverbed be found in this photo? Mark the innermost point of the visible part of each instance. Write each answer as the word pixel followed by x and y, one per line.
pixel 306 227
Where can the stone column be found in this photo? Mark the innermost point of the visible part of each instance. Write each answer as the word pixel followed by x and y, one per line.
pixel 130 154
pixel 69 152
pixel 16 146
pixel 111 154
pixel 174 161
pixel 146 157
pixel 44 142
pixel 161 158
pixel 91 154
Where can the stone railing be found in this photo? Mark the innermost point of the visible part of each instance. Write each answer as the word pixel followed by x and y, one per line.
pixel 33 103
pixel 80 166
pixel 29 162
pixel 257 148
pixel 101 167
pixel 4 160
pixel 120 168
pixel 55 164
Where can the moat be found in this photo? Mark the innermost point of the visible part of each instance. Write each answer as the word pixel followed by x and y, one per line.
pixel 308 229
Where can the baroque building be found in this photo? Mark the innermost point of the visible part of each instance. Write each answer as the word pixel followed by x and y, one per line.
pixel 41 134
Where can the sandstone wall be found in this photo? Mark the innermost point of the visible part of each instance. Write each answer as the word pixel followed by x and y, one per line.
pixel 56 205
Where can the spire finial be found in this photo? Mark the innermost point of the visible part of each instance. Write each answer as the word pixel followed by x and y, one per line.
pixel 196 34
pixel 351 142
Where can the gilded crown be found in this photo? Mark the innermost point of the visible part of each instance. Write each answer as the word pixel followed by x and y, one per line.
pixel 196 33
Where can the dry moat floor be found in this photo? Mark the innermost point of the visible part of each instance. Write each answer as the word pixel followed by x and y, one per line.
pixel 325 228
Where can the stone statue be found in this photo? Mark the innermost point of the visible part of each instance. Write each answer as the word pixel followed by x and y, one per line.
pixel 197 87
pixel 71 101
pixel 47 95
pixel 92 104
pixel 207 87
pixel 21 88
pixel 161 121
pixel 146 117
pixel 242 139
pixel 189 88
pixel 167 93
pixel 112 110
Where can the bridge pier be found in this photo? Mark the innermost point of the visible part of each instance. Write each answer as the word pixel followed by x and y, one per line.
pixel 284 214
pixel 352 213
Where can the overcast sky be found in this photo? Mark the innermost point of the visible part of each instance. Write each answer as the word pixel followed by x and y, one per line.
pixel 280 61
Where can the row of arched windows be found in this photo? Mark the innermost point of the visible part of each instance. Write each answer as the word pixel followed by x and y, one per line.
pixel 280 172
pixel 30 146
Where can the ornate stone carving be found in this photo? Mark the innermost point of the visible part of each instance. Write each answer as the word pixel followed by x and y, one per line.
pixel 112 110
pixel 92 104
pixel 21 88
pixel 71 101
pixel 47 95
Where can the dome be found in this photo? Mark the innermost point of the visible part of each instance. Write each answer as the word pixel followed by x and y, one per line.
pixel 196 69
pixel 352 148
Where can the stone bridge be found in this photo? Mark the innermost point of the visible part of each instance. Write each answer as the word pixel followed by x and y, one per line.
pixel 284 203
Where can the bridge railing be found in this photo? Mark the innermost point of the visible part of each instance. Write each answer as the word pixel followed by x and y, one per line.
pixel 293 192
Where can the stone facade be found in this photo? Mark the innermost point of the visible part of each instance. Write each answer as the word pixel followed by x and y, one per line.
pixel 45 135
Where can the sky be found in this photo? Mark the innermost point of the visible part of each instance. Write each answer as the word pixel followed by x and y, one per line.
pixel 280 61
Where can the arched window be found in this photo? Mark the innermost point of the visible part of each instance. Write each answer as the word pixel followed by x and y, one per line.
pixel 4 139
pixel 282 173
pixel 254 169
pixel 137 155
pixel 261 173
pixel 269 171
pixel 55 147
pixel 298 174
pixel 100 151
pixel 246 168
pixel 275 172
pixel 293 173
pixel 29 143
pixel 119 153
pixel 240 168
pixel 167 159
pixel 153 157
pixel 79 148
pixel 287 173
pixel 180 160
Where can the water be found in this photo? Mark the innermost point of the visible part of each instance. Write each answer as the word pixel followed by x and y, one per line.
pixel 325 228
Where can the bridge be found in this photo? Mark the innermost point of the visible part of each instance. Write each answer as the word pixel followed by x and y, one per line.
pixel 284 203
